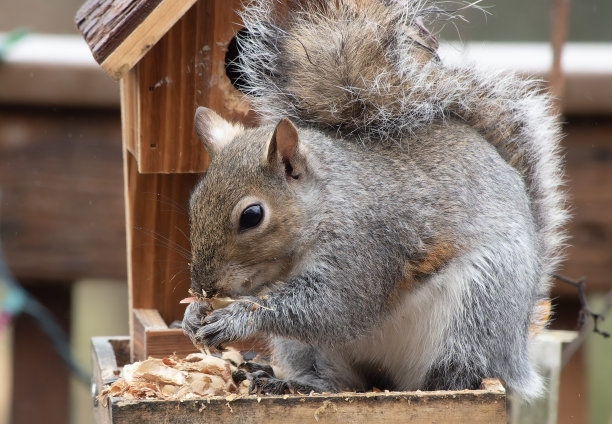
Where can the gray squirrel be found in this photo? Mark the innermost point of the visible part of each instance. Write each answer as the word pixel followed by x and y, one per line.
pixel 394 221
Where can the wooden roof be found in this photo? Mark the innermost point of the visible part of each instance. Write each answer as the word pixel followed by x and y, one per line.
pixel 120 32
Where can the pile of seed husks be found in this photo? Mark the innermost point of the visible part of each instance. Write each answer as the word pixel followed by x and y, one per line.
pixel 171 378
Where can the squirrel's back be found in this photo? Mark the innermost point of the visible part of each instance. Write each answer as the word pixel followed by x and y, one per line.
pixel 368 70
pixel 398 218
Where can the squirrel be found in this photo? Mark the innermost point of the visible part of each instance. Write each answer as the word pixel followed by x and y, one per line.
pixel 393 222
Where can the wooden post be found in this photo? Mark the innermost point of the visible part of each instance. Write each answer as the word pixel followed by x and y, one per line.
pixel 40 381
pixel 558 35
pixel 157 230
pixel 162 154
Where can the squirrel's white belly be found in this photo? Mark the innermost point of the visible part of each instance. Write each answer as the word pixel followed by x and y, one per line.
pixel 408 343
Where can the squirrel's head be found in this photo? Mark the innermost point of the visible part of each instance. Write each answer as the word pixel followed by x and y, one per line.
pixel 245 217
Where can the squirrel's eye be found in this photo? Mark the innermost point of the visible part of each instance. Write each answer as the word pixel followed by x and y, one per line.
pixel 251 217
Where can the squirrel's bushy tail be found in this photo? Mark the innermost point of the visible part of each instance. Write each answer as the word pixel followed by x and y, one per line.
pixel 368 70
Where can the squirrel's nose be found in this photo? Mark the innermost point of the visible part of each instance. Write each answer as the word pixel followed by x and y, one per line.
pixel 211 292
pixel 203 282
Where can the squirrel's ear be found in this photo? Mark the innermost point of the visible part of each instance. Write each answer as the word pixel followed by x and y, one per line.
pixel 214 131
pixel 284 146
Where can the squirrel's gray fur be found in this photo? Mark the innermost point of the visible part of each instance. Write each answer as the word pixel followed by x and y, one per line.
pixel 411 222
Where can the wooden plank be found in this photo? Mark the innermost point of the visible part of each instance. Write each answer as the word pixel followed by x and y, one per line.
pixel 558 37
pixel 157 227
pixel 165 342
pixel 144 320
pixel 153 338
pixel 588 93
pixel 107 24
pixel 149 319
pixel 62 204
pixel 119 33
pixel 107 358
pixel 142 38
pixel 588 148
pixel 130 111
pixel 162 343
pixel 473 406
pixel 186 69
pixel 26 84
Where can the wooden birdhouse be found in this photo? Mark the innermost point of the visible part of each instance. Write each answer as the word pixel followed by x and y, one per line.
pixel 170 56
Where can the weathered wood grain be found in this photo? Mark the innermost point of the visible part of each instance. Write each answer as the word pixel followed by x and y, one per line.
pixel 476 406
pixel 144 321
pixel 105 24
pixel 145 36
pixel 157 227
pixel 107 358
pixel 184 70
pixel 130 111
pixel 162 343
pixel 62 213
pixel 152 337
pixel 120 33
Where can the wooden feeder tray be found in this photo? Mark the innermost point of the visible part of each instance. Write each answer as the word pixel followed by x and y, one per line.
pixel 485 405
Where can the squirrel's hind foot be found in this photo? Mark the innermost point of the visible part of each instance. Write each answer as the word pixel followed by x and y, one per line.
pixel 264 383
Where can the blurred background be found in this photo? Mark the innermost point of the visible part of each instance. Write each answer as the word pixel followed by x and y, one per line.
pixel 62 207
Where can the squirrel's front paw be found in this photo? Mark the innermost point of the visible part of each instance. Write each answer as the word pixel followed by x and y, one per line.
pixel 194 317
pixel 234 322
